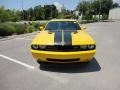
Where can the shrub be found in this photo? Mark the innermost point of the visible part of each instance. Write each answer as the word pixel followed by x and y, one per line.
pixel 29 29
pixel 105 17
pixel 95 19
pixel 20 28
pixel 87 17
pixel 6 29
pixel 36 25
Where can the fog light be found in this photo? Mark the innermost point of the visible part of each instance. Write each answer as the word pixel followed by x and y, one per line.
pixel 83 46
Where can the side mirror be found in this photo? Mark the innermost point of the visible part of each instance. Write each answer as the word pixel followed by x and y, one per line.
pixel 41 28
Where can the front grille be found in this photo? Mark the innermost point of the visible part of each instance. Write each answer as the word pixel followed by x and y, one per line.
pixel 65 48
pixel 62 48
pixel 65 60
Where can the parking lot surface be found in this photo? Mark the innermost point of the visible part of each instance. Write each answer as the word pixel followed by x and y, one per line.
pixel 19 71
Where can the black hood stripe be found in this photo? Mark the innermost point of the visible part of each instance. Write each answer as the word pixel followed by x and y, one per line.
pixel 67 38
pixel 58 38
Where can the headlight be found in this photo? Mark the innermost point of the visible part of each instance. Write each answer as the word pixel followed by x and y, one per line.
pixel 35 47
pixel 91 46
pixel 83 46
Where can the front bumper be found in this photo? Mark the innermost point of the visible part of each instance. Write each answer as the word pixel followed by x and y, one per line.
pixel 59 57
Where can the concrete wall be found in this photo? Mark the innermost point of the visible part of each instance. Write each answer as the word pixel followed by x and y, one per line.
pixel 114 14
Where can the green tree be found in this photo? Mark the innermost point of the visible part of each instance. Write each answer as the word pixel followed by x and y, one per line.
pixel 96 7
pixel 30 12
pixel 39 12
pixel 106 5
pixel 64 13
pixel 54 11
pixel 115 5
pixel 4 15
pixel 9 15
pixel 48 12
pixel 85 9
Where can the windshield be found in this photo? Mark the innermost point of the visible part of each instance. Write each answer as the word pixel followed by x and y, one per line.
pixel 63 25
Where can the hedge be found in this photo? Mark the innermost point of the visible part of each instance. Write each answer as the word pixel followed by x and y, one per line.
pixel 29 29
pixel 20 28
pixel 6 29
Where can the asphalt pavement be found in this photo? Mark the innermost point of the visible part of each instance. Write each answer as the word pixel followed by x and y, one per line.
pixel 19 70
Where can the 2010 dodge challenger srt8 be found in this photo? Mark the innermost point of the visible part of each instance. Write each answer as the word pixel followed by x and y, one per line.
pixel 63 41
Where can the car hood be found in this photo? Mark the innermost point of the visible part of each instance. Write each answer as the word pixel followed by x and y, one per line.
pixel 80 37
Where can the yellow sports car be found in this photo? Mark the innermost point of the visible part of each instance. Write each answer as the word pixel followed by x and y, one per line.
pixel 63 41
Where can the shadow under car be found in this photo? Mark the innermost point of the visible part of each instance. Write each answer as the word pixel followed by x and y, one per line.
pixel 92 66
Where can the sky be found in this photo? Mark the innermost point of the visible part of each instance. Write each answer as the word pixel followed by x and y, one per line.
pixel 17 4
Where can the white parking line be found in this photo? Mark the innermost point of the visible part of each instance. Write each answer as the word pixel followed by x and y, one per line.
pixel 48 74
pixel 24 38
pixel 16 61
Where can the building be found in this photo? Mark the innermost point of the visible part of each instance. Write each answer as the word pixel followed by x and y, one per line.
pixel 114 14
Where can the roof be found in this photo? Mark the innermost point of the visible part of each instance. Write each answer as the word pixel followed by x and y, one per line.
pixel 63 20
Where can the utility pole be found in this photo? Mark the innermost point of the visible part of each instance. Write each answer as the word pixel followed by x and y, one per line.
pixel 82 7
pixel 99 9
pixel 22 11
pixel 81 2
pixel 91 9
